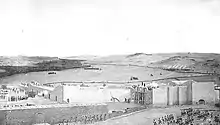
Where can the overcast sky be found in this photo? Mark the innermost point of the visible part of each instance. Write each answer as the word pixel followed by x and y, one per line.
pixel 106 27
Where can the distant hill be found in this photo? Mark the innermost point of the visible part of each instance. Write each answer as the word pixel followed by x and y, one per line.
pixel 202 62
pixel 195 62
pixel 120 67
pixel 82 57
pixel 138 54
pixel 23 60
pixel 178 64
pixel 23 64
pixel 137 58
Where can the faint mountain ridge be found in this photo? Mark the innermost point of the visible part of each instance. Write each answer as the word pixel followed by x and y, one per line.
pixel 138 54
pixel 23 60
pixel 82 57
pixel 131 59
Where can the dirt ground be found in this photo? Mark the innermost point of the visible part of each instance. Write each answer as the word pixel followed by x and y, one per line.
pixel 113 106
pixel 146 116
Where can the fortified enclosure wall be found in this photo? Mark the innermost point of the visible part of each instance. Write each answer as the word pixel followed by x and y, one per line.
pixel 51 115
pixel 203 91
pixel 182 95
pixel 160 96
pixel 173 95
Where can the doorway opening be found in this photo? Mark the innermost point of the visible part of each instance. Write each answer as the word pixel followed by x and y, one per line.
pixel 202 101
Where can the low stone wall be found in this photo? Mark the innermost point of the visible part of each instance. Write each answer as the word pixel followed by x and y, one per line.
pixel 51 115
pixel 61 116
pixel 91 119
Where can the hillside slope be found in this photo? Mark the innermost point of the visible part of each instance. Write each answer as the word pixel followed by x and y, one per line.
pixel 118 67
pixel 23 64
pixel 204 63
pixel 200 62
pixel 162 65
pixel 23 60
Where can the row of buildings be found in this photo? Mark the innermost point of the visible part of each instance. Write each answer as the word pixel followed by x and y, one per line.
pixel 184 92
pixel 11 94
pixel 181 93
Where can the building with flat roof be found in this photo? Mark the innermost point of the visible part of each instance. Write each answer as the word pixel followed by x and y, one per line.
pixel 11 94
pixel 83 94
pixel 38 89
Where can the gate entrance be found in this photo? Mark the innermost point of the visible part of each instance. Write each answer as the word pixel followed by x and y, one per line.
pixel 202 101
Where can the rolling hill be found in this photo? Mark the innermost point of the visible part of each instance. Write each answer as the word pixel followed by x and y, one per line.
pixel 159 66
pixel 197 62
pixel 23 64
pixel 23 60
pixel 164 65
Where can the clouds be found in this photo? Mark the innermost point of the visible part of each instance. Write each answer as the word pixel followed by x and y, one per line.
pixel 66 28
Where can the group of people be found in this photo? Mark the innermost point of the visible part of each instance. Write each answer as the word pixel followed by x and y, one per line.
pixel 16 105
pixel 204 115
pixel 217 119
pixel 210 116
pixel 167 120
pixel 185 120
pixel 86 119
pixel 189 117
